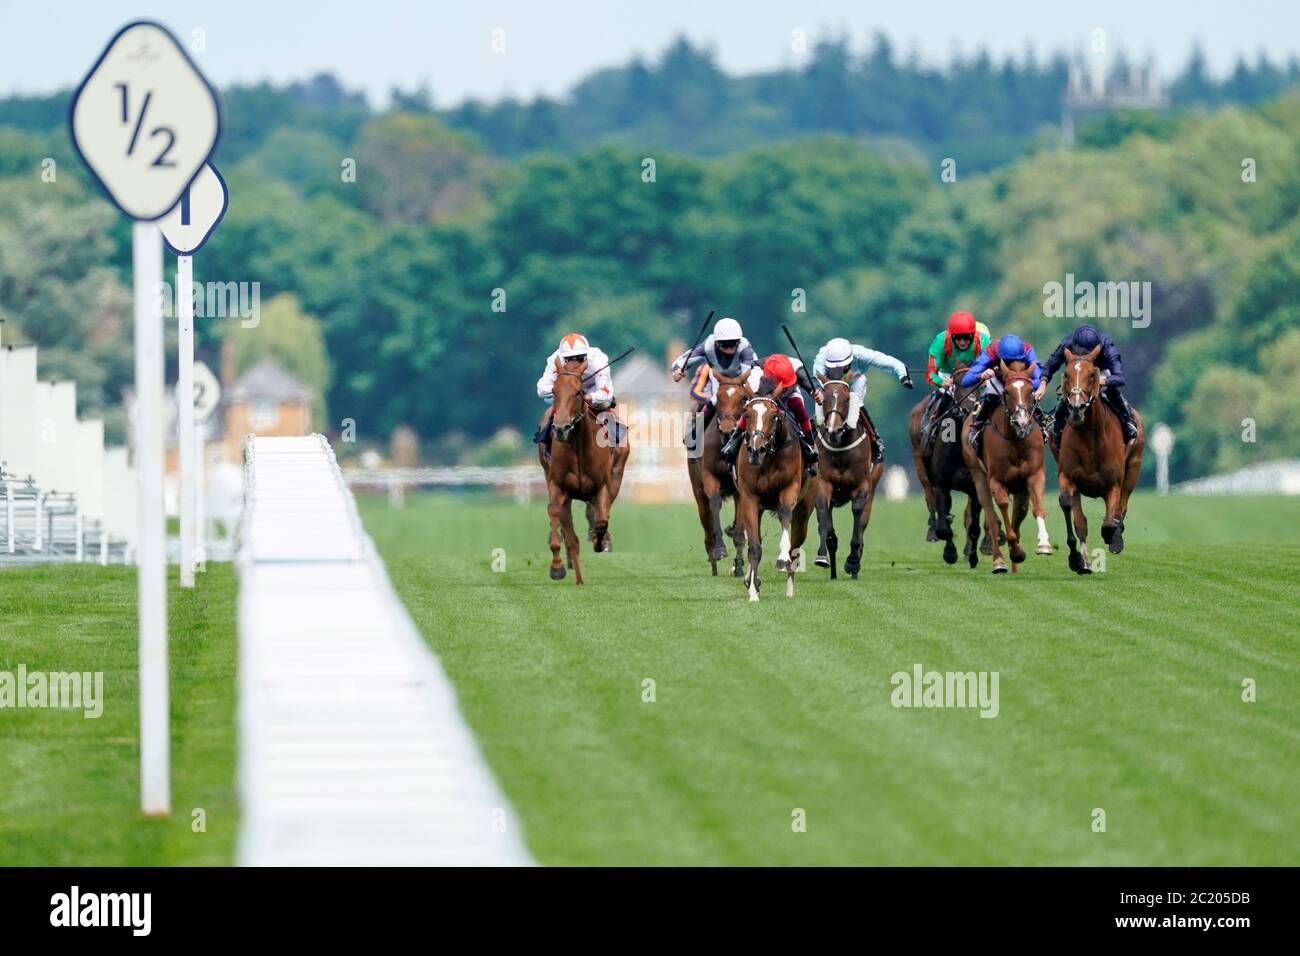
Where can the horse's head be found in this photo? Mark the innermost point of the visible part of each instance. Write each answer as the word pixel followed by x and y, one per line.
pixel 1082 384
pixel 568 399
pixel 965 400
pixel 730 402
pixel 1018 398
pixel 835 408
pixel 763 417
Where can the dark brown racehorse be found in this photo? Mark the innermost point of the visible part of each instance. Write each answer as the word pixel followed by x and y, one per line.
pixel 1092 459
pixel 770 477
pixel 845 474
pixel 942 470
pixel 585 462
pixel 1010 466
pixel 711 476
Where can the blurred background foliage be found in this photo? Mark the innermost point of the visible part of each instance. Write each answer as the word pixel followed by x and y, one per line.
pixel 379 293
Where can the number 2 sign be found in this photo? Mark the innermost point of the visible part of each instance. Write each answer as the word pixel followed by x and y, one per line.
pixel 144 120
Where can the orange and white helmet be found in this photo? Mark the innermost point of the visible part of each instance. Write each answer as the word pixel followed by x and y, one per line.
pixel 573 345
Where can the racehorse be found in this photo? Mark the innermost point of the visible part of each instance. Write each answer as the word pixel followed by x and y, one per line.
pixel 845 473
pixel 1092 459
pixel 711 476
pixel 1010 466
pixel 770 477
pixel 941 468
pixel 585 462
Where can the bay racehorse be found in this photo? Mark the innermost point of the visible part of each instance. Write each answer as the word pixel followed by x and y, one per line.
pixel 1092 460
pixel 1009 469
pixel 586 462
pixel 770 477
pixel 941 468
pixel 845 472
pixel 712 480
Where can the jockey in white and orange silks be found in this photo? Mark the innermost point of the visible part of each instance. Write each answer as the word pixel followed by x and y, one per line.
pixel 597 385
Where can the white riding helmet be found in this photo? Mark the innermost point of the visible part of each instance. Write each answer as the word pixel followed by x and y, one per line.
pixel 573 344
pixel 727 330
pixel 839 352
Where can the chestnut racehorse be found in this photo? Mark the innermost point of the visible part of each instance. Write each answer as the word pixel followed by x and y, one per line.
pixel 711 476
pixel 845 474
pixel 770 477
pixel 942 471
pixel 586 462
pixel 1010 466
pixel 1092 459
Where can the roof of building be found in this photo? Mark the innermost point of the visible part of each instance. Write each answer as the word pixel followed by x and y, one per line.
pixel 268 381
pixel 637 375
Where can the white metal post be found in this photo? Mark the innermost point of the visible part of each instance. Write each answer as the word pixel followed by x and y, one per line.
pixel 155 756
pixel 200 498
pixel 185 412
pixel 9 507
pixel 40 522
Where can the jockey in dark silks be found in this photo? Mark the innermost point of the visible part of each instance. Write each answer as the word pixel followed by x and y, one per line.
pixel 1108 361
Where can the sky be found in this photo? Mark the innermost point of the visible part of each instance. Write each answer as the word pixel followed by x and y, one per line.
pixel 375 45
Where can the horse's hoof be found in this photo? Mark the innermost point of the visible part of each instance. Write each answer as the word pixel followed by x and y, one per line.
pixel 718 553
pixel 1076 562
pixel 738 571
pixel 783 565
pixel 557 574
pixel 753 598
pixel 950 553
pixel 1018 555
pixel 974 560
pixel 1117 544
pixel 1044 548
pixel 822 561
pixel 1107 533
pixel 855 574
pixel 715 568
pixel 999 566
pixel 943 534
pixel 932 535
pixel 986 548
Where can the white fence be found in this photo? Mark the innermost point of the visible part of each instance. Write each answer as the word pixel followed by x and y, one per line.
pixel 352 749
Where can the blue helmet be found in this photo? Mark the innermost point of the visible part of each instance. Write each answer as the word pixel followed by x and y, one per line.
pixel 1086 338
pixel 1011 348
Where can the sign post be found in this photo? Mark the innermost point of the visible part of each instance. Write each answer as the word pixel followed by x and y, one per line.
pixel 144 121
pixel 185 229
pixel 1162 441
pixel 207 396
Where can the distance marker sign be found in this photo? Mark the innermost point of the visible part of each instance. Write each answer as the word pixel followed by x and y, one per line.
pixel 192 220
pixel 144 120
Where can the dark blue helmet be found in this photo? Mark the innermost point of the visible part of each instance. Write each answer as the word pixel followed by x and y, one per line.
pixel 1085 338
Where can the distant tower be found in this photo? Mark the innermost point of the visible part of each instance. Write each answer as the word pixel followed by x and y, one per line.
pixel 1140 89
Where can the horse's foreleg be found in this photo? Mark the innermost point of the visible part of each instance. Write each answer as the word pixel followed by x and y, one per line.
pixel 860 504
pixel 825 527
pixel 973 531
pixel 1110 529
pixel 1037 482
pixel 553 510
pixel 991 499
pixel 1020 508
pixel 570 539
pixel 737 532
pixel 598 515
pixel 784 514
pixel 751 517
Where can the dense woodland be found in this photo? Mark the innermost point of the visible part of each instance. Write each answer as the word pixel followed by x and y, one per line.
pixel 825 178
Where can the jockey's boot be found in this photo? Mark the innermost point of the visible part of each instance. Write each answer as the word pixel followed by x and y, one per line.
pixel 1126 419
pixel 809 446
pixel 981 419
pixel 543 434
pixel 1058 422
pixel 1044 425
pixel 877 449
pixel 731 446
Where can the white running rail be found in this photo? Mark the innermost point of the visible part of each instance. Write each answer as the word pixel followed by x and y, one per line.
pixel 352 749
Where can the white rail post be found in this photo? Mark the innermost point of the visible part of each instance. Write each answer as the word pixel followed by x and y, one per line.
pixel 77 527
pixel 200 498
pixel 9 508
pixel 185 411
pixel 40 522
pixel 155 757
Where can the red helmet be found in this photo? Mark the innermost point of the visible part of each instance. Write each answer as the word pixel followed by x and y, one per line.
pixel 961 323
pixel 780 368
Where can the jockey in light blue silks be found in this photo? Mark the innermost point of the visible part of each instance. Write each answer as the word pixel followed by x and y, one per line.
pixel 840 356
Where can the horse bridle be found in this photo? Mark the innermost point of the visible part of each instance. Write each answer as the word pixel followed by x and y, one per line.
pixel 562 432
pixel 1006 405
pixel 766 446
pixel 1077 390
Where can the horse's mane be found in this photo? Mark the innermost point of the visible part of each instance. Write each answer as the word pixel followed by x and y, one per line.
pixel 765 385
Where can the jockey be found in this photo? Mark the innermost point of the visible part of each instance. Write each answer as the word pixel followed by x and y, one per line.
pixel 963 341
pixel 1009 348
pixel 837 356
pixel 725 352
pixel 1082 341
pixel 597 386
pixel 784 373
